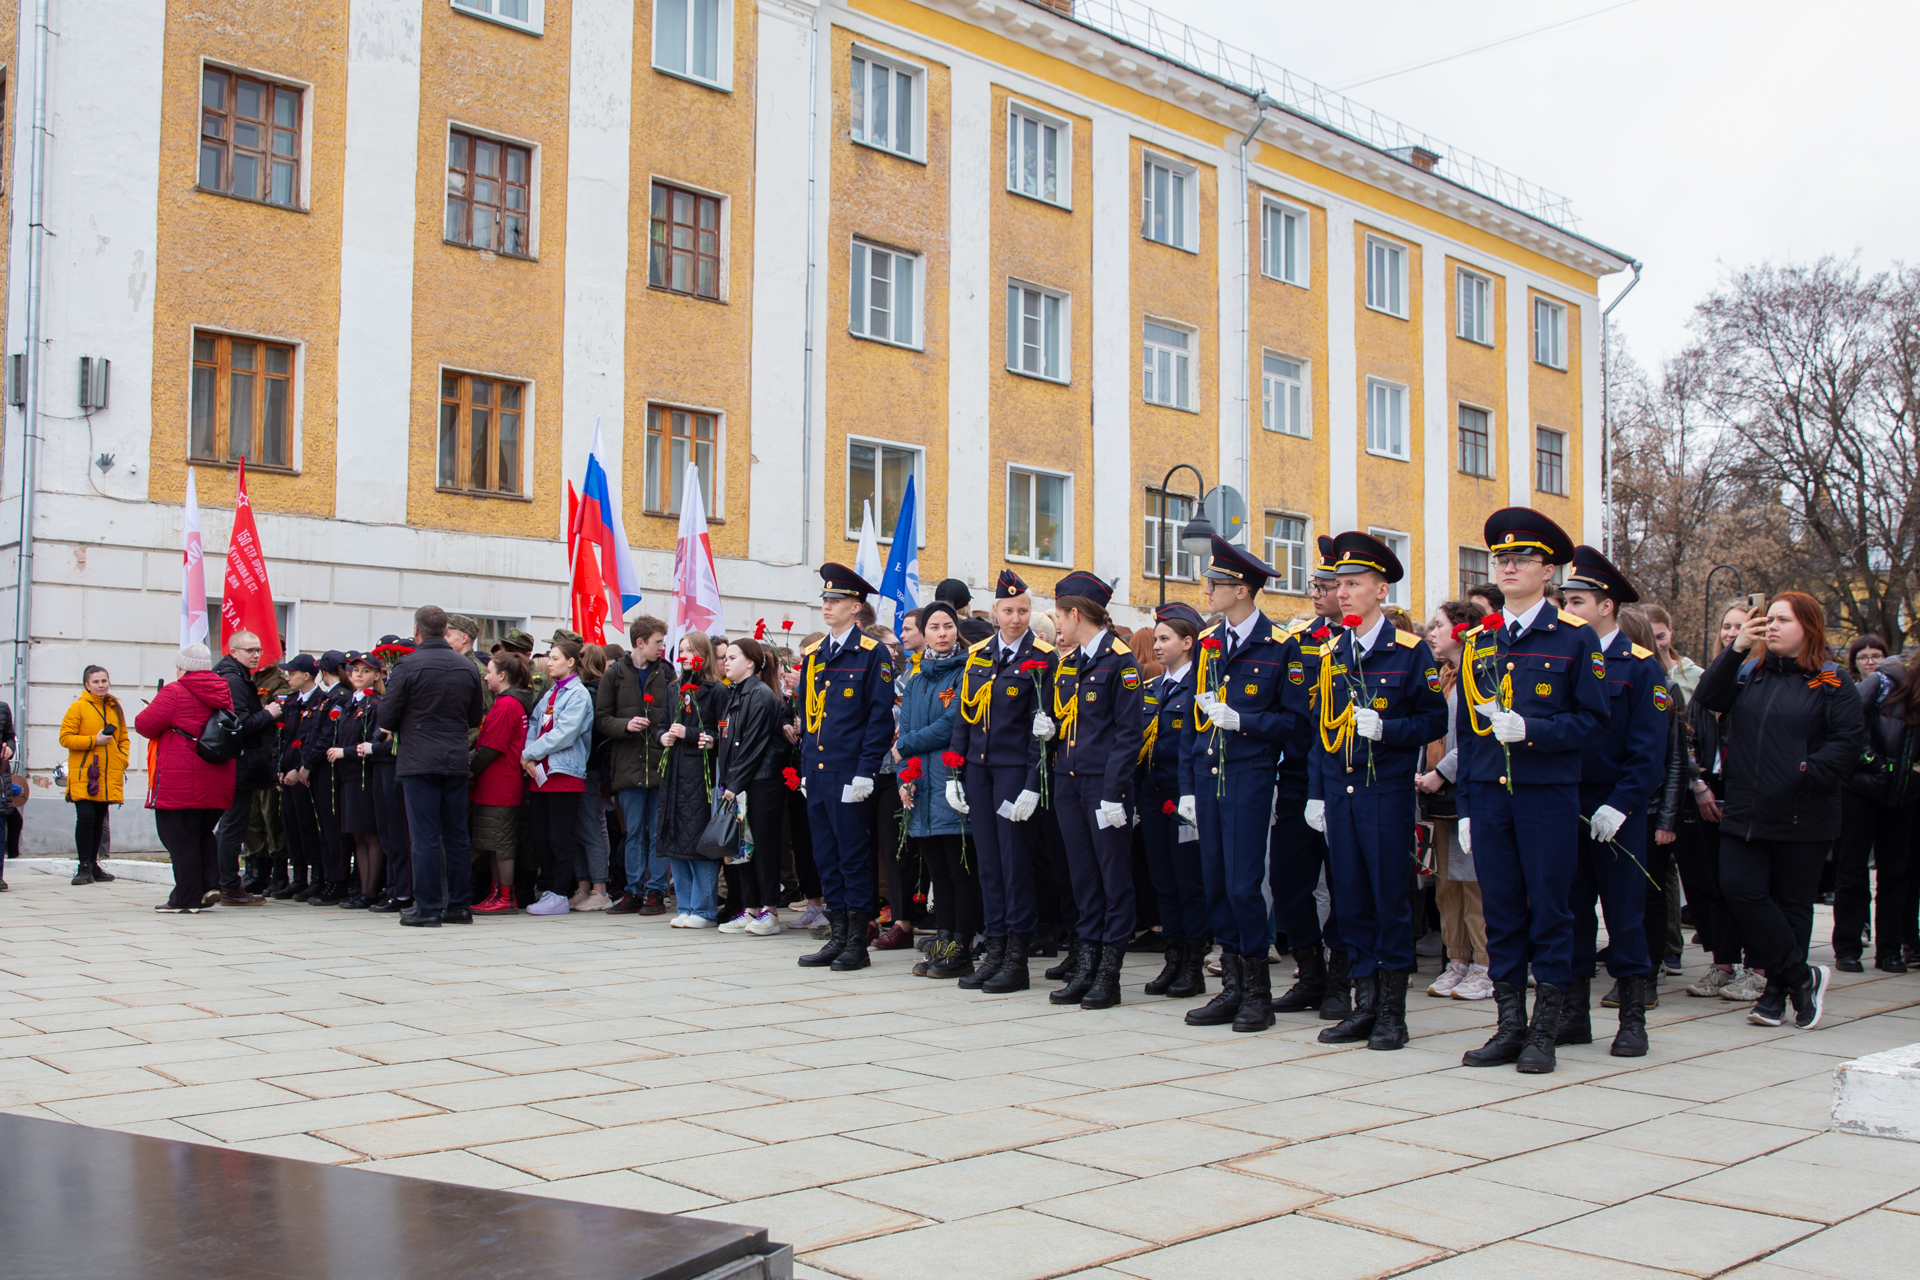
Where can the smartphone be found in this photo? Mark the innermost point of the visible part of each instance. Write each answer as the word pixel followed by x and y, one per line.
pixel 1755 599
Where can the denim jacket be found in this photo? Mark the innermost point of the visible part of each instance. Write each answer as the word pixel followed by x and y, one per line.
pixel 564 746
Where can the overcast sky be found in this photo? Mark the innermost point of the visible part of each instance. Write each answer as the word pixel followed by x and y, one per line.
pixel 1694 135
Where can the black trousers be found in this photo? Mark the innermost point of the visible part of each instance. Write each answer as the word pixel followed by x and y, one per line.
pixel 305 838
pixel 554 817
pixel 231 835
pixel 1771 886
pixel 1871 829
pixel 89 817
pixel 323 789
pixel 1699 855
pixel 758 880
pixel 800 842
pixel 956 886
pixel 1659 861
pixel 188 837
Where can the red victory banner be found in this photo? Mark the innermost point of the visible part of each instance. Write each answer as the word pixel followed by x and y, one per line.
pixel 246 598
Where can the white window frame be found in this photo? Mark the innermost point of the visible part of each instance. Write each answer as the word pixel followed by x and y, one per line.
pixel 1493 440
pixel 1292 578
pixel 1018 471
pixel 1185 231
pixel 1392 395
pixel 1387 276
pixel 1401 544
pixel 1295 225
pixel 917 129
pixel 1019 112
pixel 1566 462
pixel 1549 334
pixel 1301 400
pixel 1060 340
pixel 885 535
pixel 1473 309
pixel 535 23
pixel 1151 526
pixel 723 52
pixel 1190 356
pixel 717 509
pixel 860 260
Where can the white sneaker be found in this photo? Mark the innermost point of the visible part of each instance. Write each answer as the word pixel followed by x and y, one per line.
pixel 696 922
pixel 1745 989
pixel 550 904
pixel 1449 978
pixel 678 922
pixel 595 902
pixel 738 924
pixel 765 923
pixel 1477 985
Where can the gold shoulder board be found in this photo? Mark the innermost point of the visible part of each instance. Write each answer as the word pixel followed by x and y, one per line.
pixel 1041 645
pixel 978 645
pixel 868 642
pixel 1406 639
pixel 1638 652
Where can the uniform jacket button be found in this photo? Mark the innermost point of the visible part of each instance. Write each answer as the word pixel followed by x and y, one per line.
pixel 1503 782
pixel 1349 788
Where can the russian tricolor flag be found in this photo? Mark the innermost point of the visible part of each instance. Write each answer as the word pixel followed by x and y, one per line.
pixel 596 525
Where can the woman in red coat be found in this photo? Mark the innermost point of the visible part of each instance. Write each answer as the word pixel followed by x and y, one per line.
pixel 188 794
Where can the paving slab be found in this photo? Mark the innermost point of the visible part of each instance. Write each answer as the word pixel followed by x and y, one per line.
pixel 1187 1203
pixel 1011 1245
pixel 1306 1248
pixel 1655 1231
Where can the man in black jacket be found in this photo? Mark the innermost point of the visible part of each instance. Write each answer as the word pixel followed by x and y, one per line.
pixel 259 727
pixel 433 698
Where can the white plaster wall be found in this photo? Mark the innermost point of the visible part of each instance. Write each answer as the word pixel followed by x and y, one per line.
pixel 1519 403
pixel 1593 517
pixel 1436 567
pixel 1112 355
pixel 1343 373
pixel 970 296
pixel 1232 392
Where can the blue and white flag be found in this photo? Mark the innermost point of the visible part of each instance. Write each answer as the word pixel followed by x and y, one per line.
pixel 902 581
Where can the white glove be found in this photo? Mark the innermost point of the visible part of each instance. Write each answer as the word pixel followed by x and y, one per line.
pixel 1507 725
pixel 1043 726
pixel 1113 813
pixel 1606 823
pixel 803 788
pixel 956 798
pixel 856 791
pixel 1367 723
pixel 1317 814
pixel 1187 813
pixel 1466 841
pixel 1222 715
pixel 1024 804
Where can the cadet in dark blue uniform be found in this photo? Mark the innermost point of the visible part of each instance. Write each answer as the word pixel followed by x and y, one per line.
pixel 1172 846
pixel 1096 711
pixel 1001 730
pixel 1298 853
pixel 846 726
pixel 1532 696
pixel 1228 756
pixel 1619 775
pixel 1380 705
pixel 323 781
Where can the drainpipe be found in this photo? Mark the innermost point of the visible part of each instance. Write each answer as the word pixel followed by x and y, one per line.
pixel 30 418
pixel 1606 411
pixel 1262 101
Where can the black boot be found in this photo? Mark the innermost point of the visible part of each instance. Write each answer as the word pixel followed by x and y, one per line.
pixel 1631 1040
pixel 1104 993
pixel 1310 988
pixel 1537 1058
pixel 295 887
pixel 1175 955
pixel 1611 1000
pixel 1012 973
pixel 83 874
pixel 1357 1025
pixel 836 943
pixel 1389 1012
pixel 1079 975
pixel 1256 996
pixel 934 950
pixel 1059 972
pixel 1192 980
pixel 1339 999
pixel 256 875
pixel 956 961
pixel 854 954
pixel 100 874
pixel 989 964
pixel 1576 1019
pixel 1224 1007
pixel 1509 1033
pixel 278 886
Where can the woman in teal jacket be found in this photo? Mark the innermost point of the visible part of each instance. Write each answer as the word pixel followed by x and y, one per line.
pixel 928 703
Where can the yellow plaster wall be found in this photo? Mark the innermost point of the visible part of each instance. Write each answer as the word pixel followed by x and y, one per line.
pixel 1476 375
pixel 246 267
pixel 685 351
pixel 474 310
pixel 1033 421
pixel 1554 400
pixel 1392 495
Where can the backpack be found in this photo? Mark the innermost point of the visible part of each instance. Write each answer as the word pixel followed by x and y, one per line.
pixel 219 740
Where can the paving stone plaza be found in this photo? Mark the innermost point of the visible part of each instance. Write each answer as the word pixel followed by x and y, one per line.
pixel 887 1126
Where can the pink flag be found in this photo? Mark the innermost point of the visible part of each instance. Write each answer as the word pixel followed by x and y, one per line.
pixel 696 588
pixel 193 576
pixel 246 598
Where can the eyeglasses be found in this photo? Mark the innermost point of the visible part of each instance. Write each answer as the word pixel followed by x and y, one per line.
pixel 1507 559
pixel 246 648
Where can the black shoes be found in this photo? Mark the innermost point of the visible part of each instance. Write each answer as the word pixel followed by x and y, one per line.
pixel 1192 980
pixel 421 919
pixel 1339 998
pixel 83 875
pixel 1012 973
pixel 355 901
pixel 1256 995
pixel 1309 991
pixel 1079 976
pixel 1509 1033
pixel 1224 1007
pixel 933 949
pixel 826 955
pixel 950 959
pixel 1810 997
pixel 1104 991
pixel 1631 1040
pixel 1357 1025
pixel 1576 1019
pixel 292 890
pixel 1059 972
pixel 1175 955
pixel 854 954
pixel 390 906
pixel 990 961
pixel 457 915
pixel 1851 964
pixel 1536 1058
pixel 1389 1012
pixel 1885 964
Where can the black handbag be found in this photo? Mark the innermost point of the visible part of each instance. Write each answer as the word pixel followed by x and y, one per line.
pixel 1440 806
pixel 720 839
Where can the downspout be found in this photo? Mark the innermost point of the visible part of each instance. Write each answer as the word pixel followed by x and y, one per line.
pixel 30 424
pixel 806 373
pixel 1262 101
pixel 1606 411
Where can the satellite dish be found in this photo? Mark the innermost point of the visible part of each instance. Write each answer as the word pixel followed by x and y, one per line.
pixel 1226 510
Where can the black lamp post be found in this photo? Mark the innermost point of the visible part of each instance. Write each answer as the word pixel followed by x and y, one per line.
pixel 1196 536
pixel 1706 605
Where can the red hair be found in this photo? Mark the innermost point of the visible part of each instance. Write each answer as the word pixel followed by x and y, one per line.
pixel 1813 623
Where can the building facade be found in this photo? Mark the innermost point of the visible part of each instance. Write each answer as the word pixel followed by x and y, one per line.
pixel 403 255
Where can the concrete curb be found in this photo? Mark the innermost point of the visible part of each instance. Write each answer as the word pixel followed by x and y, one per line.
pixel 1878 1096
pixel 134 869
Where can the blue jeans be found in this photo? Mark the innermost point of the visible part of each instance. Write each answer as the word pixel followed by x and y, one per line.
pixel 696 886
pixel 640 810
pixel 442 850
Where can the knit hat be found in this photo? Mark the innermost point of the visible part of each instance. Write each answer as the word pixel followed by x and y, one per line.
pixel 194 657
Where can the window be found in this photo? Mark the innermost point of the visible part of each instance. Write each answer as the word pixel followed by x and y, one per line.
pixel 1476 441
pixel 1039 155
pixel 1549 333
pixel 480 433
pixel 1283 243
pixel 683 253
pixel 689 37
pixel 1473 569
pixel 494 630
pixel 882 104
pixel 878 473
pixel 1550 460
pixel 1475 321
pixel 242 401
pixel 285 613
pixel 1039 516
pixel 676 437
pixel 1386 277
pixel 1166 533
pixel 884 305
pixel 527 15
pixel 1169 212
pixel 1036 332
pixel 249 138
pixel 1386 419
pixel 1283 390
pixel 1287 552
pixel 487 186
pixel 1168 366
pixel 1398 544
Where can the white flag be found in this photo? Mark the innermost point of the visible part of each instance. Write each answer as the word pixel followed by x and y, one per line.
pixel 193 575
pixel 696 588
pixel 866 561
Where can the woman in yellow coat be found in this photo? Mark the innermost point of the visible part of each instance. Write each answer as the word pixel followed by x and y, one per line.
pixel 94 732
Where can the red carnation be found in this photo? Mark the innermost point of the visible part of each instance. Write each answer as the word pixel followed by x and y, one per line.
pixel 1169 807
pixel 696 662
pixel 953 759
pixel 1461 628
pixel 296 744
pixel 760 629
pixel 334 714
pixel 646 697
pixel 912 771
pixel 1211 644
pixel 1032 664
pixel 1351 621
pixel 791 777
pixel 689 687
pixel 786 624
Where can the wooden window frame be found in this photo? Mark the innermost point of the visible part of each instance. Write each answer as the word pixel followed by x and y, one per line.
pixel 1293 576
pixel 221 366
pixel 468 199
pixel 1543 460
pixel 1158 537
pixel 1483 574
pixel 662 251
pixel 268 154
pixel 462 402
pixel 657 480
pixel 1486 447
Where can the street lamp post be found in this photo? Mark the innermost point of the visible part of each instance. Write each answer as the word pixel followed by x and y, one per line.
pixel 1706 605
pixel 1196 536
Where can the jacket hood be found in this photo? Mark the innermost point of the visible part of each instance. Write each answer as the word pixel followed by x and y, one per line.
pixel 209 687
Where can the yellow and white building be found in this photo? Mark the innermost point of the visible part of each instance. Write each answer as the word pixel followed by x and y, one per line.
pixel 403 255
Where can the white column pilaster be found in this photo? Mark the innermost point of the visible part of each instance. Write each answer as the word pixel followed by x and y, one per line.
pixel 1593 514
pixel 1519 410
pixel 970 296
pixel 1343 375
pixel 1437 552
pixel 1114 345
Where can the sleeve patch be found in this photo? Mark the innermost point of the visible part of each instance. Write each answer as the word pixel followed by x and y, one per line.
pixel 1297 672
pixel 1433 679
pixel 1600 665
pixel 1130 677
pixel 1661 700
